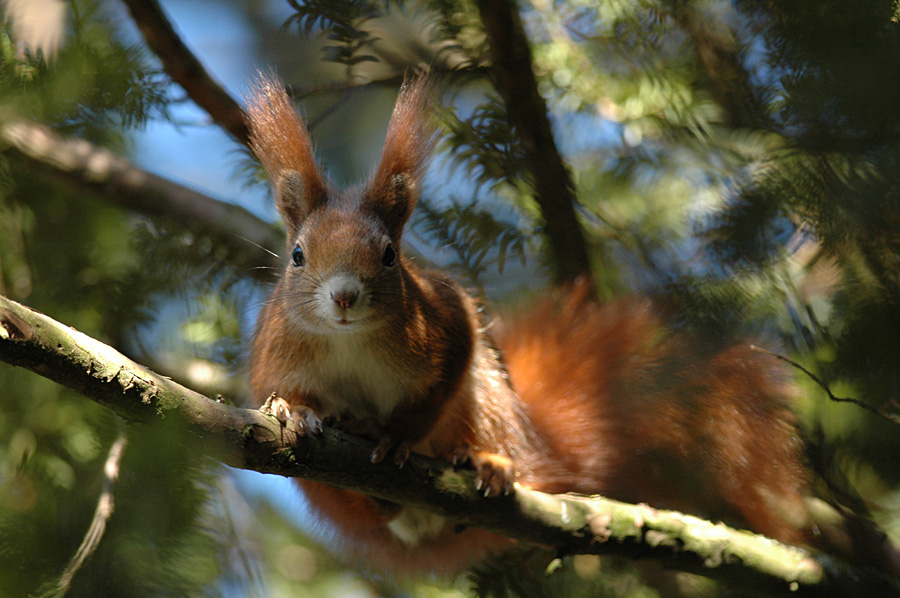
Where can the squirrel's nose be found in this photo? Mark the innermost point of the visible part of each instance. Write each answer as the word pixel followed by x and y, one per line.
pixel 345 299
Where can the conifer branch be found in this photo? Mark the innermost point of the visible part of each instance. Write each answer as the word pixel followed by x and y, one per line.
pixel 527 113
pixel 185 69
pixel 79 164
pixel 719 59
pixel 249 439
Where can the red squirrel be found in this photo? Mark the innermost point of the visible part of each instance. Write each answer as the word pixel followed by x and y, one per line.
pixel 588 397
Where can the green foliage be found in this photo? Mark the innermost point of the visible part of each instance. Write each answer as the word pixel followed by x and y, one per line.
pixel 536 573
pixel 738 160
pixel 479 239
pixel 93 88
pixel 56 442
pixel 157 543
pixel 340 23
pixel 81 261
pixel 483 144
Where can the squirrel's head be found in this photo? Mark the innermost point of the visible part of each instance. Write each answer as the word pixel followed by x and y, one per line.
pixel 344 246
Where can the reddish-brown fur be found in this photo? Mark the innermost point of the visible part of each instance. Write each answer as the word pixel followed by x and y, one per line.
pixel 609 399
pixel 632 410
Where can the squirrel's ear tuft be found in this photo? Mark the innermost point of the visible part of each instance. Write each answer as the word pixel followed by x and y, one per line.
pixel 279 139
pixel 394 189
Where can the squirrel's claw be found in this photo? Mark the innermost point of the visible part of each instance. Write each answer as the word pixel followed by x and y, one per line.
pixel 461 455
pixel 382 449
pixel 496 473
pixel 278 407
pixel 387 444
pixel 401 455
pixel 306 419
pixel 309 421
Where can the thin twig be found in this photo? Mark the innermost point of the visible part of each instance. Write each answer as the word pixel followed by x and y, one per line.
pixel 886 416
pixel 104 510
pixel 342 99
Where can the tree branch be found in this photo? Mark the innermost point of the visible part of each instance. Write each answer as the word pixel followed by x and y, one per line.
pixel 185 69
pixel 527 113
pixel 249 439
pixel 89 168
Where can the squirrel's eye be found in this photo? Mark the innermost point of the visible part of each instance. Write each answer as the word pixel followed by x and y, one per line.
pixel 387 260
pixel 297 256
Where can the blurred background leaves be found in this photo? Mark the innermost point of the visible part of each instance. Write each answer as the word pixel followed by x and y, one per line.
pixel 739 159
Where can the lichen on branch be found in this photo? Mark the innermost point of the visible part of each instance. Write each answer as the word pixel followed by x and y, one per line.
pixel 249 439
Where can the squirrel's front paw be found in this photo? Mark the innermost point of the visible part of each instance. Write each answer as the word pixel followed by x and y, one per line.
pixel 496 473
pixel 388 442
pixel 306 419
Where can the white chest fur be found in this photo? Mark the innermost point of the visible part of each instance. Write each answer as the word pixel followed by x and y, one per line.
pixel 348 375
